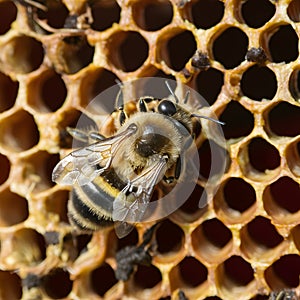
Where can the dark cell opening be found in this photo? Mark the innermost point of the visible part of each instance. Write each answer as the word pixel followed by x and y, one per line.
pixel 260 297
pixel 259 83
pixel 11 285
pixel 294 84
pixel 286 193
pixel 284 119
pixel 283 44
pixel 169 237
pixel 257 13
pixel 8 92
pixel 209 84
pixel 262 155
pixel 5 168
pixel 128 50
pixel 129 240
pixel 57 284
pixel 207 13
pixel 263 232
pixel 293 10
pixel 212 298
pixel 102 279
pixel 238 120
pixel 8 14
pixel 152 15
pixel 147 277
pixel 179 49
pixel 230 47
pixel 104 14
pixel 57 203
pixel 238 194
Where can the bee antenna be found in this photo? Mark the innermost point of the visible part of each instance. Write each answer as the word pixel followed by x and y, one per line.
pixel 119 83
pixel 119 104
pixel 208 118
pixel 186 98
pixel 172 92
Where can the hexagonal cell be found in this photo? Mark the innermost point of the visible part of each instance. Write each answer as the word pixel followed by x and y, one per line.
pixel 104 14
pixel 189 274
pixel 229 47
pixel 152 15
pixel 57 284
pixel 239 121
pixel 212 241
pixel 12 214
pixel 235 277
pixel 168 49
pixel 47 92
pixel 283 119
pixel 293 157
pixel 146 278
pixel 127 50
pixel 11 285
pixel 281 43
pixel 293 10
pixel 283 273
pixel 281 200
pixel 22 54
pixel 8 14
pixel 19 132
pixel 5 168
pixel 8 92
pixel 209 84
pixel 255 14
pixel 258 83
pixel 104 275
pixel 260 240
pixel 56 203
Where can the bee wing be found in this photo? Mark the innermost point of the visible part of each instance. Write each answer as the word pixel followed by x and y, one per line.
pixel 131 203
pixel 85 164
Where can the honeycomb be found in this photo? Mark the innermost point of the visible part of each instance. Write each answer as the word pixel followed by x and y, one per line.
pixel 242 56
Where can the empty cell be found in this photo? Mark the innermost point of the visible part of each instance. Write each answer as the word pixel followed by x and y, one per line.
pixel 147 277
pixel 19 132
pixel 10 285
pixel 129 240
pixel 104 14
pixel 293 157
pixel 127 50
pixel 57 284
pixel 8 14
pixel 13 209
pixel 258 83
pixel 56 203
pixel 102 279
pixel 256 13
pixel 230 47
pixel 293 10
pixel 152 15
pixel 209 84
pixel 172 50
pixel 283 119
pixel 5 168
pixel 238 120
pixel 284 272
pixel 8 91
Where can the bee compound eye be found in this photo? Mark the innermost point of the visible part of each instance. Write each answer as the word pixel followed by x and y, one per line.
pixel 167 108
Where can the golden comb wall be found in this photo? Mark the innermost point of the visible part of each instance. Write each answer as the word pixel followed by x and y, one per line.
pixel 242 56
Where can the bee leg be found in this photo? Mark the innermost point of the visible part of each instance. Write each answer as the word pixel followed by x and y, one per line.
pixel 78 134
pixel 142 105
pixel 96 136
pixel 178 168
pixel 120 107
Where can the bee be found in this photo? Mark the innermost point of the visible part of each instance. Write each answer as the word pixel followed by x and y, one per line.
pixel 113 178
pixel 286 294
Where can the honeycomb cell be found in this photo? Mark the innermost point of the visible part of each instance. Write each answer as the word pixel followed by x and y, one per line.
pixel 206 13
pixel 283 119
pixel 128 50
pixel 296 236
pixel 282 200
pixel 8 92
pixel 5 168
pixel 8 14
pixel 284 273
pixel 230 47
pixel 102 279
pixel 169 53
pixel 146 277
pixel 129 240
pixel 238 120
pixel 259 238
pixel 260 297
pixel 281 43
pixel 22 54
pixel 104 14
pixel 256 14
pixel 152 15
pixel 12 214
pixel 19 132
pixel 209 84
pixel 293 157
pixel 235 275
pixel 47 93
pixel 212 241
pixel 57 284
pixel 257 55
pixel 11 285
pixel 294 84
pixel 189 273
pixel 293 10
pixel 258 83
pixel 56 203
